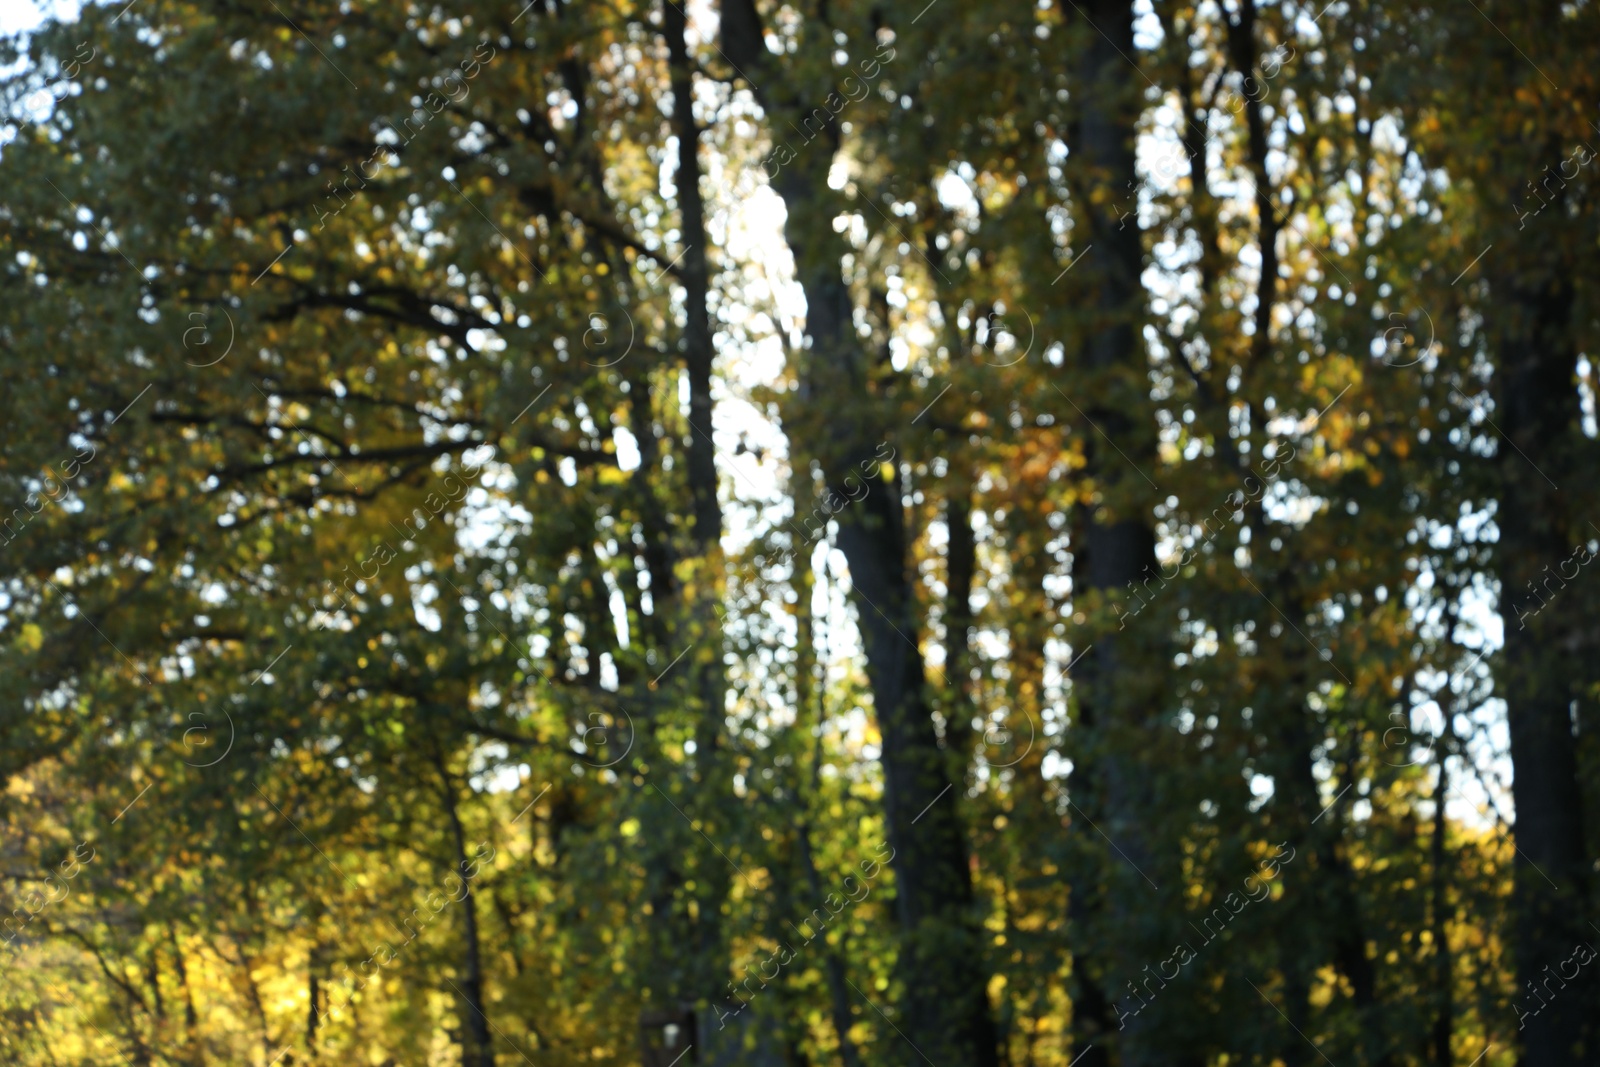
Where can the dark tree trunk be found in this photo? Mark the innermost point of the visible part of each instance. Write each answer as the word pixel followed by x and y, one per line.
pixel 1442 913
pixel 657 550
pixel 1537 317
pixel 1538 413
pixel 313 1001
pixel 1242 52
pixel 477 1048
pixel 704 659
pixel 811 692
pixel 941 957
pixel 941 960
pixel 1113 543
pixel 960 565
pixel 696 282
pixel 838 993
pixel 1324 884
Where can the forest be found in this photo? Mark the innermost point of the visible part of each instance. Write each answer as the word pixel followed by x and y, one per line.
pixel 799 533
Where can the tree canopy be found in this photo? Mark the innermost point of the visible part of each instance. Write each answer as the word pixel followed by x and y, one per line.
pixel 1044 532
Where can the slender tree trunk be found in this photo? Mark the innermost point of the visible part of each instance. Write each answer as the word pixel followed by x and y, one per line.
pixel 191 1019
pixel 1298 956
pixel 696 281
pixel 1330 889
pixel 1442 914
pixel 247 970
pixel 1113 543
pixel 705 659
pixel 941 956
pixel 657 550
pixel 1243 50
pixel 941 961
pixel 811 691
pixel 477 1047
pixel 313 994
pixel 313 997
pixel 838 993
pixel 960 565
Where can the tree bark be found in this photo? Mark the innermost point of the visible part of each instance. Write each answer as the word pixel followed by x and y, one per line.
pixel 705 665
pixel 696 281
pixel 1539 417
pixel 1442 912
pixel 1113 543
pixel 941 960
pixel 960 565
pixel 477 1049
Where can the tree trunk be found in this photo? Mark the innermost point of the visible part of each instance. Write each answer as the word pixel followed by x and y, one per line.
pixel 838 995
pixel 477 1049
pixel 941 960
pixel 1442 913
pixel 1113 543
pixel 704 661
pixel 1539 416
pixel 696 281
pixel 960 565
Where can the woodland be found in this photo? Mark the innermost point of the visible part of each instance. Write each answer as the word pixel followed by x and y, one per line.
pixel 800 533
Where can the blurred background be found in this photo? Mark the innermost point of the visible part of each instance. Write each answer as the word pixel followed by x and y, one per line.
pixel 849 532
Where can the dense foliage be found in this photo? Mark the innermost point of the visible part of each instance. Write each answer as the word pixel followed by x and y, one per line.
pixel 1040 532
